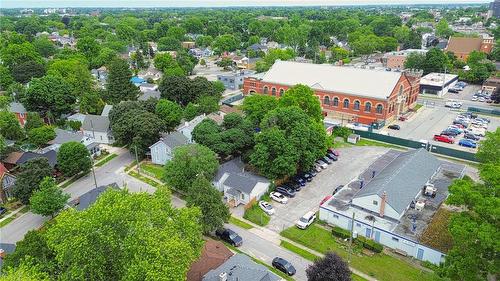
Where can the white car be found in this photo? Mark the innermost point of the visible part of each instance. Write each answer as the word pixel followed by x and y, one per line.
pixel 481 99
pixel 322 164
pixel 278 197
pixel 478 124
pixel 306 220
pixel 474 98
pixel 266 207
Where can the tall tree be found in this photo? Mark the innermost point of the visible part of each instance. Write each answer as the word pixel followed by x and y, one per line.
pixel 443 29
pixel 118 86
pixel 303 97
pixel 6 78
pixel 29 178
pixel 189 162
pixel 170 113
pixel 73 158
pixel 214 213
pixel 74 72
pixel 89 47
pixel 25 71
pixel 42 135
pixel 129 237
pixel 256 107
pixel 50 95
pixel 9 126
pixel 329 268
pixel 48 199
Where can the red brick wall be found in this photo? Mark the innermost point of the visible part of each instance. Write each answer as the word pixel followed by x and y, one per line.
pixel 411 91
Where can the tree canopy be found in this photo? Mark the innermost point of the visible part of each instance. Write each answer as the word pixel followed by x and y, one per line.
pixel 29 178
pixel 48 199
pixel 73 158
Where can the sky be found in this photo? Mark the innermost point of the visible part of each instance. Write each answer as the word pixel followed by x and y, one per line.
pixel 211 3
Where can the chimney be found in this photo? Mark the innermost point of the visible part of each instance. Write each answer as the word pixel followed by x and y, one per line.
pixel 223 276
pixel 382 204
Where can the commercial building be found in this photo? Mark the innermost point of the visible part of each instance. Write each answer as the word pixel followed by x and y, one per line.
pixel 352 94
pixel 394 201
pixel 461 47
pixel 234 80
pixel 491 85
pixel 437 83
pixel 396 60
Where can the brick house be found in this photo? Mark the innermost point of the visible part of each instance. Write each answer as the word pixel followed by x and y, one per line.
pixel 351 94
pixel 18 109
pixel 461 47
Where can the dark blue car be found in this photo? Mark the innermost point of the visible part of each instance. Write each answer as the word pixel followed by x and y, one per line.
pixel 467 143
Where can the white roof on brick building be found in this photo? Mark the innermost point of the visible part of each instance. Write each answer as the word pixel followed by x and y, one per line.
pixel 341 79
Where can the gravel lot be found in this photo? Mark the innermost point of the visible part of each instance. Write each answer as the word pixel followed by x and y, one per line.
pixel 352 162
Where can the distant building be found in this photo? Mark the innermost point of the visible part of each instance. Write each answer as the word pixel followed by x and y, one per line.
pixel 7 182
pixel 234 80
pixel 492 85
pixel 213 255
pixel 494 10
pixel 98 128
pixel 461 47
pixel 396 60
pixel 90 197
pixel 352 94
pixel 188 44
pixel 63 136
pixel 437 83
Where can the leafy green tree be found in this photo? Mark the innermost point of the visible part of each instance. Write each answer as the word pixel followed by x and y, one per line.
pixel 15 54
pixel 443 29
pixel 48 199
pixel 256 107
pixel 74 72
pixel 303 97
pixel 204 41
pixel 33 120
pixel 91 102
pixel 44 46
pixel 415 61
pixel 170 113
pixel 50 96
pixel 9 126
pixel 118 86
pixel 41 135
pixel 176 32
pixel 273 155
pixel 23 72
pixel 186 62
pixel 26 272
pixel 28 179
pixel 225 43
pixel 189 162
pixel 73 158
pixel 169 44
pixel 207 133
pixel 146 238
pixel 207 104
pixel 138 60
pixel 184 90
pixel 214 213
pixel 272 56
pixel 6 78
pixel 4 102
pixel 190 111
pixel 106 56
pixel 338 53
pixel 166 63
pixel 89 47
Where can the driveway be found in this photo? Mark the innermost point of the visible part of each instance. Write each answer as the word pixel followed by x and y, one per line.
pixel 352 162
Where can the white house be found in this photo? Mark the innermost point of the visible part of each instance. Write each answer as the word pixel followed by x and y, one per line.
pixel 145 87
pixel 150 73
pixel 162 150
pixel 63 136
pixel 97 127
pixel 187 127
pixel 391 208
pixel 239 186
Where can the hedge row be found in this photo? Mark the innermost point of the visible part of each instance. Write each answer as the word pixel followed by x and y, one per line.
pixel 366 243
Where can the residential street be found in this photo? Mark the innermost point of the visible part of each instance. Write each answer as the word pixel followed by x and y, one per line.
pixel 109 173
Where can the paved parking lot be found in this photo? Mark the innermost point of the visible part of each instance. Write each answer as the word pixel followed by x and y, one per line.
pixel 352 162
pixel 432 120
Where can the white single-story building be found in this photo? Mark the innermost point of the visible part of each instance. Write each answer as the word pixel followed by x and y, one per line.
pixel 389 205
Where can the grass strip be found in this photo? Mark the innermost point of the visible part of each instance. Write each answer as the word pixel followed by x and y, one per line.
pixel 153 170
pixel 71 181
pixel 106 160
pixel 7 221
pixel 299 251
pixel 240 223
pixel 145 179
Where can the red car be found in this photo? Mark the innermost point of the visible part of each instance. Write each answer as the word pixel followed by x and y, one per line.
pixel 335 152
pixel 444 138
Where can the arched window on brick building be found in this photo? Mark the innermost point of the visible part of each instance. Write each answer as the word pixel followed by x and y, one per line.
pixel 379 109
pixel 368 107
pixel 346 103
pixel 357 104
pixel 326 100
pixel 335 101
pixel 266 90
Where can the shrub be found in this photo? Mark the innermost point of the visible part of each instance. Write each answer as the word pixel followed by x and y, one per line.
pixel 342 132
pixel 340 232
pixel 370 244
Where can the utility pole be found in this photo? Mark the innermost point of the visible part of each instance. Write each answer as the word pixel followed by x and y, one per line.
pixel 93 171
pixel 137 160
pixel 350 239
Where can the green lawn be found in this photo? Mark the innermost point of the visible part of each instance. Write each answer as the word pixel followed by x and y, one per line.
pixel 299 251
pixel 240 223
pixel 417 107
pixel 7 221
pixel 145 179
pixel 256 215
pixel 106 160
pixel 153 170
pixel 380 266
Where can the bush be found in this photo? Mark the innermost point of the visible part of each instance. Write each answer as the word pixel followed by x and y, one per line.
pixel 370 244
pixel 342 132
pixel 340 232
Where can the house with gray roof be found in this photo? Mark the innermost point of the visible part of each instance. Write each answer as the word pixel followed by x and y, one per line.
pixel 162 151
pixel 98 128
pixel 64 136
pixel 240 267
pixel 88 198
pixel 19 110
pixel 239 186
pixel 146 95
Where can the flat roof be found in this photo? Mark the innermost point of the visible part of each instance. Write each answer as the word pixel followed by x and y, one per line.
pixel 377 84
pixel 437 79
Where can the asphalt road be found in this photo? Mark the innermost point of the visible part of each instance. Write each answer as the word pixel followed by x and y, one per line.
pixel 112 172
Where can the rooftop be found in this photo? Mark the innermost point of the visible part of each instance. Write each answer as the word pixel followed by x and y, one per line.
pixel 241 268
pixel 148 94
pixel 174 139
pixel 437 79
pixel 17 107
pixel 87 199
pixel 464 44
pixel 213 255
pixel 96 123
pixel 376 83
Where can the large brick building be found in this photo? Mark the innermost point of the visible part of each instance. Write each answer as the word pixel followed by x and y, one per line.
pixel 461 47
pixel 352 94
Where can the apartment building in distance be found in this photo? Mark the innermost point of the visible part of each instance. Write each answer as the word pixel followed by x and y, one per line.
pixel 352 94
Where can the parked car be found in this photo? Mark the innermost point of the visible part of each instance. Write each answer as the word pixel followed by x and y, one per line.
pixel 335 152
pixel 337 189
pixel 471 136
pixel 317 168
pixel 306 220
pixel 266 207
pixel 455 128
pixel 285 190
pixel 481 99
pixel 476 131
pixel 327 160
pixel 283 266
pixel 312 172
pixel 301 181
pixel 394 127
pixel 467 143
pixel 322 164
pixel 308 177
pixel 293 185
pixel 2 210
pixel 229 236
pixel 453 90
pixel 478 124
pixel 474 98
pixel 402 118
pixel 444 138
pixel 278 197
pixel 449 133
pixel 461 123
pixel 332 157
pixel 482 119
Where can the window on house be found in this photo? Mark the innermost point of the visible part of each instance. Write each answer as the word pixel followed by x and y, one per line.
pixel 326 100
pixel 356 105
pixel 282 92
pixel 266 90
pixel 273 91
pixel 379 109
pixel 375 202
pixel 358 225
pixel 336 216
pixel 395 239
pixel 346 103
pixel 335 101
pixel 368 107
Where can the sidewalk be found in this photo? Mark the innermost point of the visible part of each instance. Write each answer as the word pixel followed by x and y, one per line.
pixel 276 238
